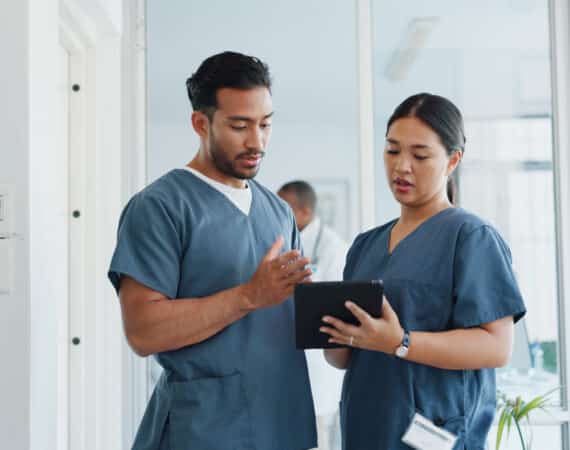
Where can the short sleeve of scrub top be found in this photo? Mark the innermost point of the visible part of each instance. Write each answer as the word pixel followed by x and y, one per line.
pixel 484 284
pixel 148 246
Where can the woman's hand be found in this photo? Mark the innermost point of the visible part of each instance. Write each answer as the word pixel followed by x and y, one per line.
pixel 383 334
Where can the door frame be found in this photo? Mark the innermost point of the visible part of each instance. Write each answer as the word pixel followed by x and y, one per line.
pixel 70 367
pixel 136 378
pixel 95 404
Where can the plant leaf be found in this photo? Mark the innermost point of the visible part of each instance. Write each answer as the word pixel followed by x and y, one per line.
pixel 536 402
pixel 501 427
pixel 518 403
pixel 509 422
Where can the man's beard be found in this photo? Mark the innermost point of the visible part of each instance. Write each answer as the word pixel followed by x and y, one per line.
pixel 228 166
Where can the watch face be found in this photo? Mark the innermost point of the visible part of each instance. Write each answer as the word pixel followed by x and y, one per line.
pixel 401 351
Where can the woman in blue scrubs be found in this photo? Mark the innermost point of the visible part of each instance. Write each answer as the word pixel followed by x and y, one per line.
pixel 451 299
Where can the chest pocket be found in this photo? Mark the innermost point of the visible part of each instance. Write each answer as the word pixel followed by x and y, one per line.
pixel 420 306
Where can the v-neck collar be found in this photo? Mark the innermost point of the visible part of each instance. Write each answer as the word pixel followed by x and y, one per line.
pixel 224 196
pixel 411 233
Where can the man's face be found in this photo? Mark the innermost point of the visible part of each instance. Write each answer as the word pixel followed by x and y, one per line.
pixel 239 132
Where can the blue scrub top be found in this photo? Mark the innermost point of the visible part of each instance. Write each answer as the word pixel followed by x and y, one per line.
pixel 453 271
pixel 247 386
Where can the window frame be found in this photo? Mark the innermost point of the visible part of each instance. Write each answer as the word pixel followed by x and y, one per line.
pixel 560 81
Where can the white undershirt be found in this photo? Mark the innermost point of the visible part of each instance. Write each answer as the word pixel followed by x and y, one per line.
pixel 241 198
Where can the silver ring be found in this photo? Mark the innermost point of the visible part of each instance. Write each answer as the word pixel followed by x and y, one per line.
pixel 351 340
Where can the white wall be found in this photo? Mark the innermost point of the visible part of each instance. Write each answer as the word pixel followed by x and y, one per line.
pixel 47 236
pixel 14 169
pixel 105 199
pixel 32 162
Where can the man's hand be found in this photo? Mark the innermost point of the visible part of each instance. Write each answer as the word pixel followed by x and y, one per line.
pixel 275 277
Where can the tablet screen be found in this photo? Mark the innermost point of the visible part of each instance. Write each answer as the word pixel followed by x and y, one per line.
pixel 327 298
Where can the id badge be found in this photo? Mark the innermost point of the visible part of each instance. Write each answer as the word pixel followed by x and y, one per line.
pixel 422 434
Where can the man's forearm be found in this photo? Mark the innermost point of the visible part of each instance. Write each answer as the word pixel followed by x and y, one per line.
pixel 154 323
pixel 162 324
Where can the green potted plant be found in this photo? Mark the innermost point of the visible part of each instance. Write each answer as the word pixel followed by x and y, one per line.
pixel 515 412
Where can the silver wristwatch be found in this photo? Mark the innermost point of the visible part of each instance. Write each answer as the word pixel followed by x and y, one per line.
pixel 402 349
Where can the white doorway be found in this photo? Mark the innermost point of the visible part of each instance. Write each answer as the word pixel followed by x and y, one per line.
pixel 62 306
pixel 72 351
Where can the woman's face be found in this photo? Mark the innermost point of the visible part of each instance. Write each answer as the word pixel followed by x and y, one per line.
pixel 416 162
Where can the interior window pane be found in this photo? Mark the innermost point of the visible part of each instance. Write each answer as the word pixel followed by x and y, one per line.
pixel 492 59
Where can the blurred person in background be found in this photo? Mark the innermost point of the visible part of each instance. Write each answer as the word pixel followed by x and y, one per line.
pixel 327 252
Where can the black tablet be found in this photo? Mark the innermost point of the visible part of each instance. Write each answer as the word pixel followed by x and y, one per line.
pixel 327 298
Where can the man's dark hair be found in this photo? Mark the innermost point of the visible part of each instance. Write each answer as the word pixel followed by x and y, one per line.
pixel 304 193
pixel 225 70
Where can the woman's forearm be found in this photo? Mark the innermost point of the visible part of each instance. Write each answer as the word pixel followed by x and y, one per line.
pixel 488 346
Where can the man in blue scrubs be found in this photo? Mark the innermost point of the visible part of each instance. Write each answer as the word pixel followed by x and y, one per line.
pixel 205 264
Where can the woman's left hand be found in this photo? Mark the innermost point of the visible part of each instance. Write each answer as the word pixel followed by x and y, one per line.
pixel 383 334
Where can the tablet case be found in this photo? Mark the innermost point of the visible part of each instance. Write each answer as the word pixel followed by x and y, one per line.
pixel 315 300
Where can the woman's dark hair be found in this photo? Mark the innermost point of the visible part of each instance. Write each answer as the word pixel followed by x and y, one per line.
pixel 443 117
pixel 225 70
